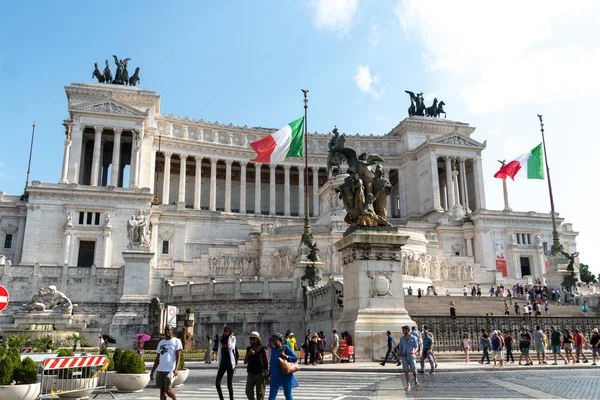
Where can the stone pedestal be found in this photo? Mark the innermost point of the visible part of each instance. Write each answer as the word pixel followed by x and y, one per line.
pixel 300 272
pixel 373 287
pixel 331 206
pixel 133 308
pixel 557 270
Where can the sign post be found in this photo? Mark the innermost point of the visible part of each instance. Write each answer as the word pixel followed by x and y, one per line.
pixel 172 316
pixel 3 298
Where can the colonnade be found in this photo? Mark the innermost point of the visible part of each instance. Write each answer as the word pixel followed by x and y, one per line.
pixel 163 166
pixel 455 188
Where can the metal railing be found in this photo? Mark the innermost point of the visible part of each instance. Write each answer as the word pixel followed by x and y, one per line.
pixel 448 332
pixel 73 376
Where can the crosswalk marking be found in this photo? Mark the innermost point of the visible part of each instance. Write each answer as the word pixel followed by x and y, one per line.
pixel 311 388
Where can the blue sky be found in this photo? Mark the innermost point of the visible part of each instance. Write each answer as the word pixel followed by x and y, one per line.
pixel 244 62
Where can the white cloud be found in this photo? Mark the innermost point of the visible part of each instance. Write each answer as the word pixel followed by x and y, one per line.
pixel 375 34
pixel 509 52
pixel 335 15
pixel 365 81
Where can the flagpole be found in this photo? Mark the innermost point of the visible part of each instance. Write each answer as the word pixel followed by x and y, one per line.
pixel 29 164
pixel 307 235
pixel 556 246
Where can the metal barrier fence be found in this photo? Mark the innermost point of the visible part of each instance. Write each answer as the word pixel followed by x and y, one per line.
pixel 448 331
pixel 77 376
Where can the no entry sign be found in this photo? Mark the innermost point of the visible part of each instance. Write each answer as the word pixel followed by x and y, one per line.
pixel 3 297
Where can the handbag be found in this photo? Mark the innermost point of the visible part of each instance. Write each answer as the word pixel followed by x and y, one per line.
pixel 288 367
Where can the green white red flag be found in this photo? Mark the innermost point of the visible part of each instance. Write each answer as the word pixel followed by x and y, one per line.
pixel 286 142
pixel 529 164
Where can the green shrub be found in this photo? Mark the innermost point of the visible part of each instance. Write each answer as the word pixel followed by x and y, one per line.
pixel 104 351
pixel 7 368
pixel 117 357
pixel 181 362
pixel 14 355
pixel 131 363
pixel 26 373
pixel 65 353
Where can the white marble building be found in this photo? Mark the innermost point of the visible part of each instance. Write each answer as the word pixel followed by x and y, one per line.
pixel 218 217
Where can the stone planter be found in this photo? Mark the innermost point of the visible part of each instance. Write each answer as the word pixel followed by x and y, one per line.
pixel 131 382
pixel 106 379
pixel 77 385
pixel 182 375
pixel 20 392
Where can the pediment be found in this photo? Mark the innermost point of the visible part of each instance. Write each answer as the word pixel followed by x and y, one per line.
pixel 109 107
pixel 457 139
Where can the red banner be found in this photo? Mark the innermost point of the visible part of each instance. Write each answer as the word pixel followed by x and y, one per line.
pixel 500 257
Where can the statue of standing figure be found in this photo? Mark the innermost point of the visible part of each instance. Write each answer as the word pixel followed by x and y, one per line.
pixel 138 231
pixel 335 160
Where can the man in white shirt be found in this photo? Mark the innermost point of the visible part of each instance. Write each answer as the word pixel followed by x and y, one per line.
pixel 166 364
pixel 335 344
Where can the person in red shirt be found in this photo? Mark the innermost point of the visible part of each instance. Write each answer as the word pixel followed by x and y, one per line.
pixel 580 341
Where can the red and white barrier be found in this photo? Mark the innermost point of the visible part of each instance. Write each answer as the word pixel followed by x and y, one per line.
pixel 74 362
pixel 26 350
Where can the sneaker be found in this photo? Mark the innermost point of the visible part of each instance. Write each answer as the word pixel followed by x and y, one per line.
pixel 593 363
pixel 554 363
pixel 586 361
pixel 399 364
pixel 382 364
pixel 431 372
pixel 421 371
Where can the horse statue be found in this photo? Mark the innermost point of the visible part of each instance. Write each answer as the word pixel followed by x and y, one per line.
pixel 335 159
pixel 108 78
pixel 419 105
pixel 135 78
pixel 432 111
pixel 124 73
pixel 96 74
pixel 440 109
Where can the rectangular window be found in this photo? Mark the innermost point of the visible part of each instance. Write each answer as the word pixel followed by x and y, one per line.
pixel 518 238
pixel 89 218
pixel 165 247
pixel 81 217
pixel 86 253
pixel 97 219
pixel 8 241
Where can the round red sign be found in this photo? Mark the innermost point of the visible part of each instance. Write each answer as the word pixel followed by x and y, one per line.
pixel 3 297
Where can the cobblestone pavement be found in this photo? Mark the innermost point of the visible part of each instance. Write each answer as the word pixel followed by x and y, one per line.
pixel 337 385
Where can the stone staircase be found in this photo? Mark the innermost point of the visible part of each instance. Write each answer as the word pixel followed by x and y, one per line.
pixel 472 306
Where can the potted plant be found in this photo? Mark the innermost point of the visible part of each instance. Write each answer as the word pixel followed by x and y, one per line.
pixel 131 373
pixel 18 379
pixel 182 372
pixel 110 370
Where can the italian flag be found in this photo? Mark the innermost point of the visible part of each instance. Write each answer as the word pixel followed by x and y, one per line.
pixel 530 162
pixel 286 142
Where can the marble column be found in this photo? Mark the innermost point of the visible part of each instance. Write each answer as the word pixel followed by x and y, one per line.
pixel 182 172
pixel 65 166
pixel 213 184
pixel 243 165
pixel 257 199
pixel 96 156
pixel 167 178
pixel 197 184
pixel 301 194
pixel 286 191
pixel 272 201
pixel 153 171
pixel 449 184
pixel 469 240
pixel 315 210
pixel 478 179
pixel 444 193
pixel 116 157
pixel 75 154
pixel 67 245
pixel 435 182
pixel 106 261
pixel 463 173
pixel 463 191
pixel 228 185
pixel 456 189
pixel 403 206
pixel 136 144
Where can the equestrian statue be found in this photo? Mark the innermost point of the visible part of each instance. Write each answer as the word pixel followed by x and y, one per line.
pixel 121 74
pixel 418 108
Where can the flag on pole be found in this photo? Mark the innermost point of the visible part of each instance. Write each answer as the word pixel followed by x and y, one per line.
pixel 530 162
pixel 286 142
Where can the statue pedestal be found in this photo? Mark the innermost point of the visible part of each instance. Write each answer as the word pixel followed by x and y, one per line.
pixel 373 288
pixel 557 270
pixel 331 206
pixel 133 308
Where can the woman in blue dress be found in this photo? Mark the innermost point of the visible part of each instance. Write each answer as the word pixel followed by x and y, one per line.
pixel 277 378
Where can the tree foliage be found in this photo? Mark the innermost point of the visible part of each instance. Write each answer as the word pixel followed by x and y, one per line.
pixel 585 274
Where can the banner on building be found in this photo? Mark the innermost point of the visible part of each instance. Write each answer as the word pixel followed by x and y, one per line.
pixel 172 316
pixel 500 257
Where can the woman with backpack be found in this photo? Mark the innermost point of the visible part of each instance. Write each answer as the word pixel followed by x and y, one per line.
pixel 226 362
pixel 257 363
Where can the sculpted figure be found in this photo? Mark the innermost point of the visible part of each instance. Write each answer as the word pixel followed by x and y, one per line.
pixel 571 257
pixel 362 188
pixel 335 159
pixel 137 230
pixel 96 74
pixel 49 298
pixel 108 77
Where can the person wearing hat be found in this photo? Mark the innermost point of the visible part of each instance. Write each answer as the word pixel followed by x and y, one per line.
pixel 257 363
pixel 277 378
pixel 497 348
pixel 292 341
